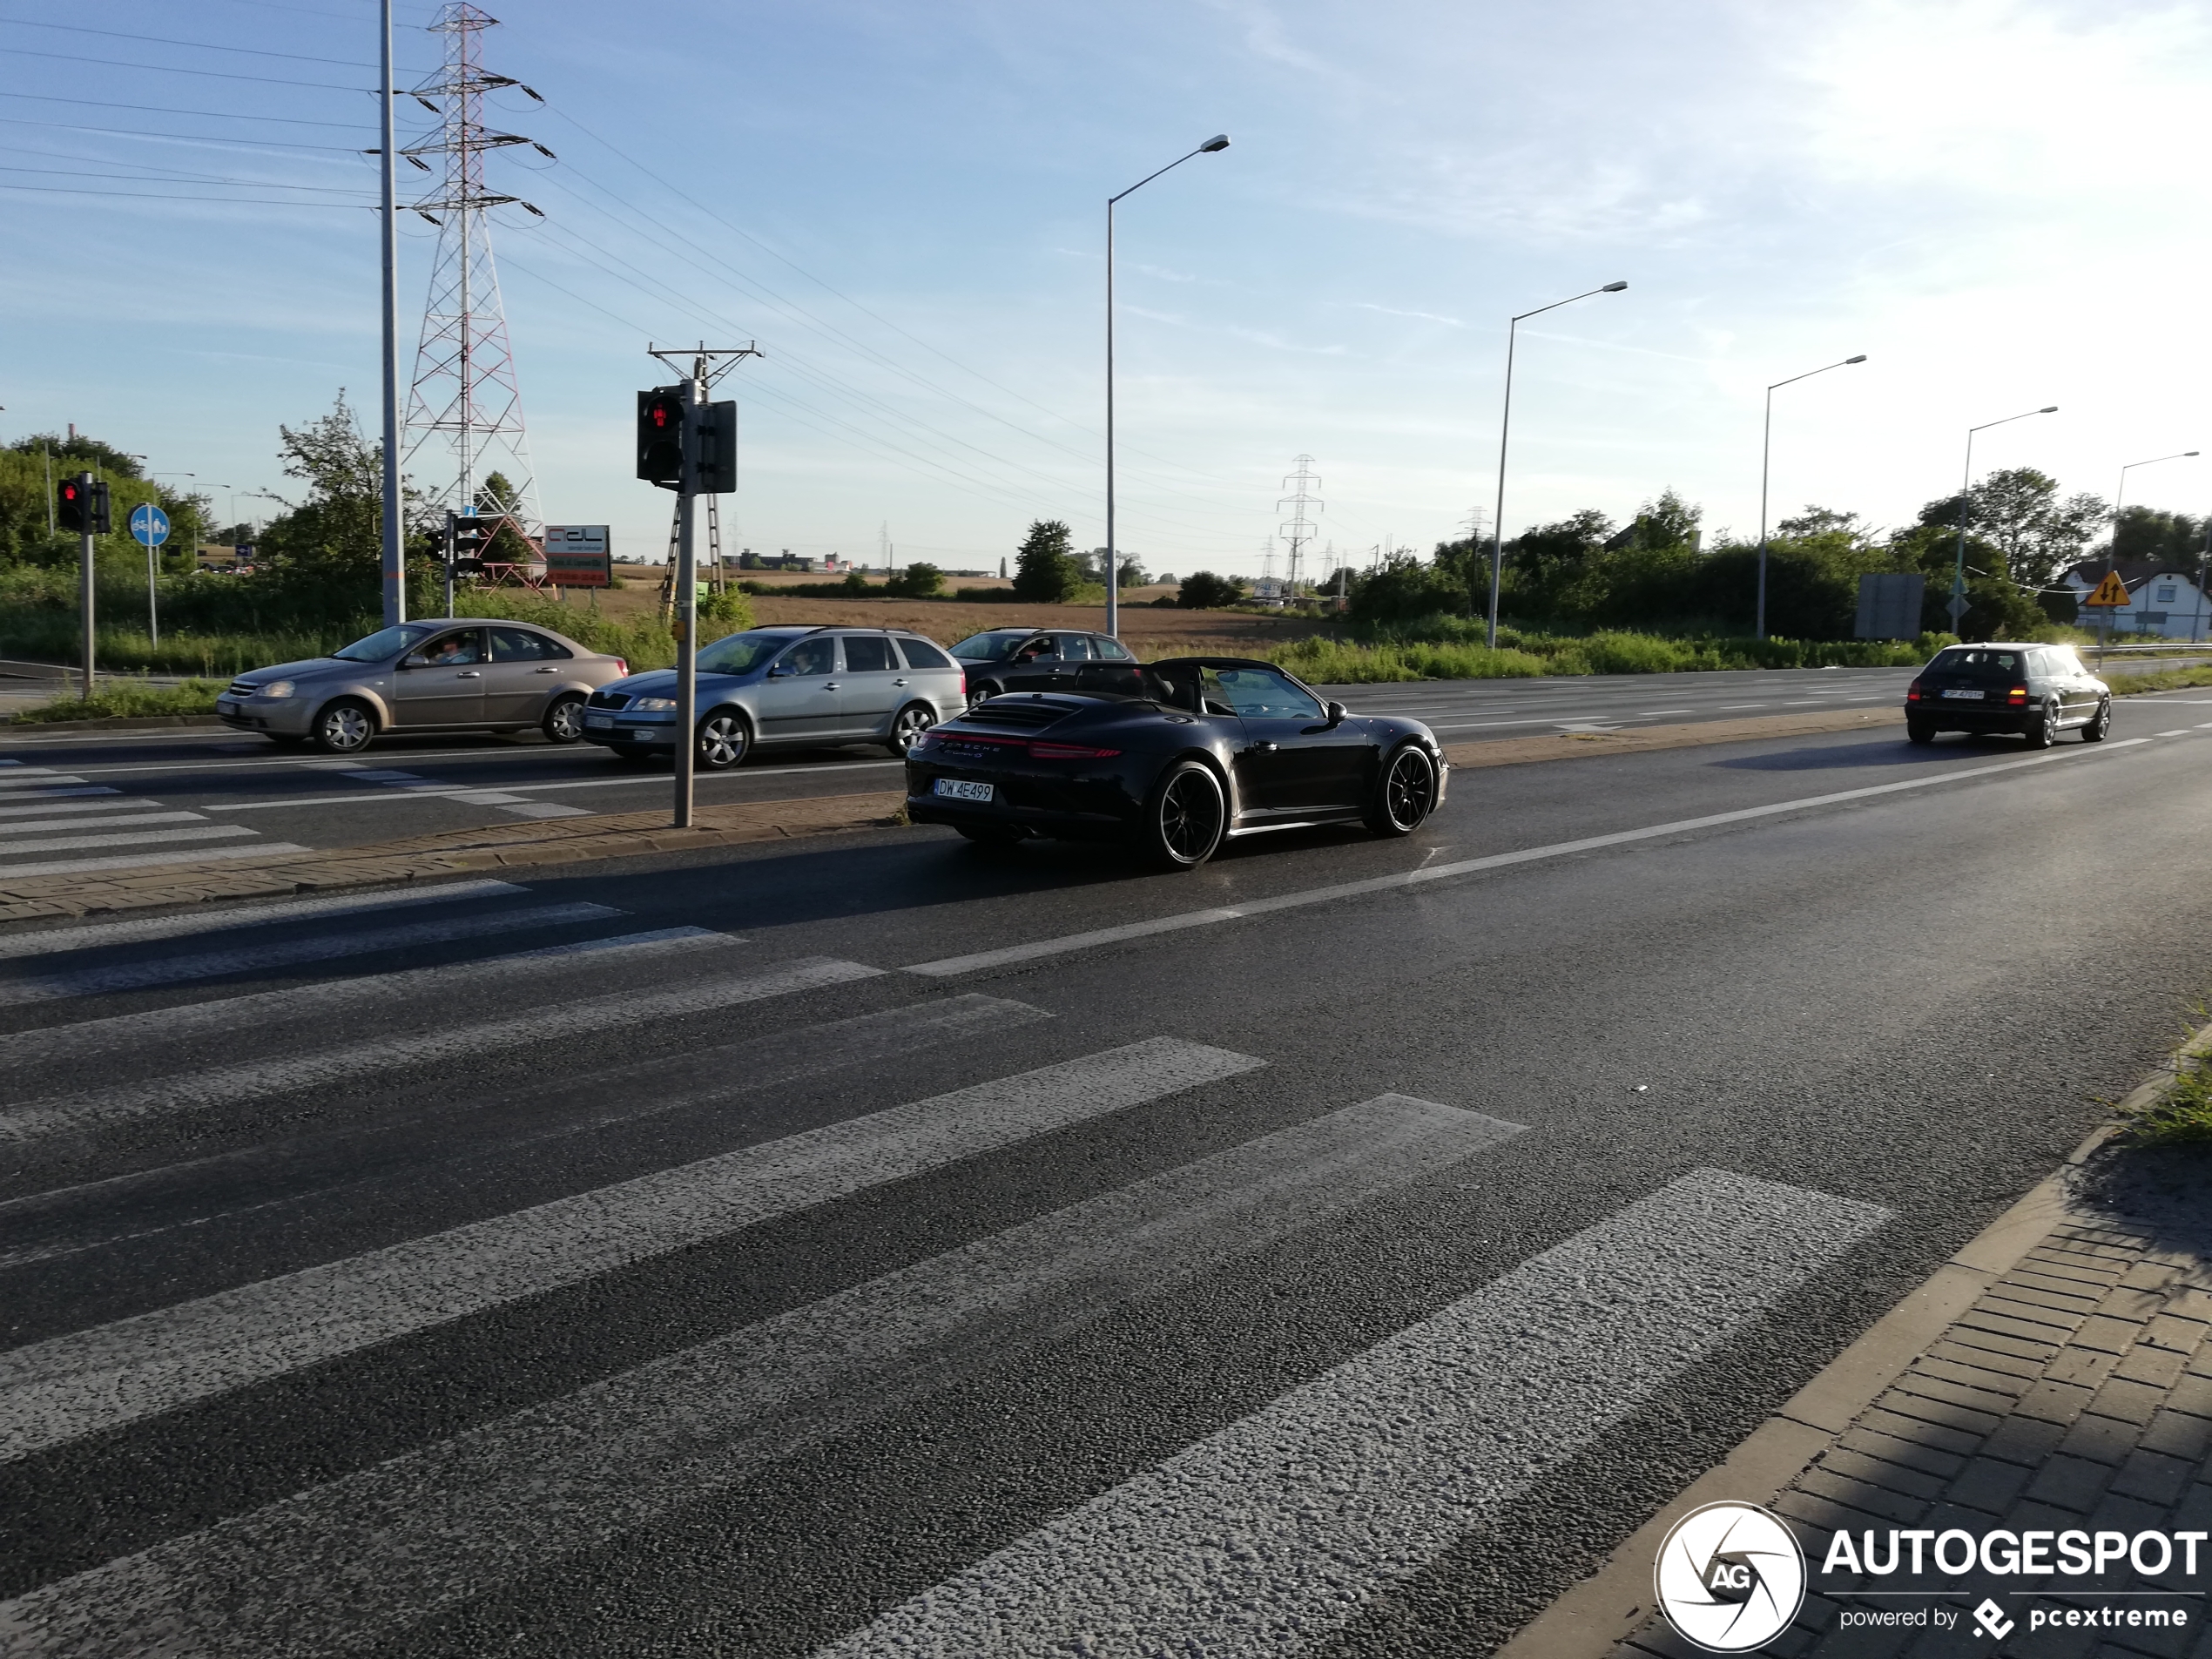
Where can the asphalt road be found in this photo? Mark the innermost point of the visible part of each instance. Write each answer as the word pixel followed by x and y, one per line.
pixel 193 793
pixel 886 1247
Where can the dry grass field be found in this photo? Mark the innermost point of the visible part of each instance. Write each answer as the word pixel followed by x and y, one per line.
pixel 1151 632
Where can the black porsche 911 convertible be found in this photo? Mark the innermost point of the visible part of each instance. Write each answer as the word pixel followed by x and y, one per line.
pixel 1173 759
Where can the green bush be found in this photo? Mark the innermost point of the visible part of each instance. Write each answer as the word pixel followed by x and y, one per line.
pixel 123 699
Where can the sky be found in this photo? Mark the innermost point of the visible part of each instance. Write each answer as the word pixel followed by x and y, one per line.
pixel 904 206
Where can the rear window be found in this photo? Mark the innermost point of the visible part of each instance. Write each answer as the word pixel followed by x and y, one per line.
pixel 921 654
pixel 864 655
pixel 1977 662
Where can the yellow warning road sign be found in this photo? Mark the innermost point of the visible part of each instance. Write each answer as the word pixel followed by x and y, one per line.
pixel 2110 591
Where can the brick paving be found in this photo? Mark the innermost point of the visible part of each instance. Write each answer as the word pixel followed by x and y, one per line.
pixel 2076 1394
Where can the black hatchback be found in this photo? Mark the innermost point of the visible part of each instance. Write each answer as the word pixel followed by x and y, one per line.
pixel 2037 691
pixel 1035 659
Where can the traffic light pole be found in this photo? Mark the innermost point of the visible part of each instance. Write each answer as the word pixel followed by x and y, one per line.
pixel 85 554
pixel 452 552
pixel 686 596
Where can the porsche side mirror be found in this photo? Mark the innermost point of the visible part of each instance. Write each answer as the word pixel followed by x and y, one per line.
pixel 1338 714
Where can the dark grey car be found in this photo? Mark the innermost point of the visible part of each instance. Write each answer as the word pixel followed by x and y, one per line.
pixel 2035 691
pixel 1033 659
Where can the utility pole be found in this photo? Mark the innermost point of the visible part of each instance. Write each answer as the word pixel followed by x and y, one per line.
pixel 395 554
pixel 708 465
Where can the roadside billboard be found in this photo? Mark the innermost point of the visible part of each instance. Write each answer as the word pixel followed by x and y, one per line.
pixel 578 556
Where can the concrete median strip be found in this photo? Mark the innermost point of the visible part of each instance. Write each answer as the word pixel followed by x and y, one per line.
pixel 259 872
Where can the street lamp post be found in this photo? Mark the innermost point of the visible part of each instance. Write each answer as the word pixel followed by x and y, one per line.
pixel 1957 606
pixel 1766 452
pixel 1219 141
pixel 1505 427
pixel 2111 549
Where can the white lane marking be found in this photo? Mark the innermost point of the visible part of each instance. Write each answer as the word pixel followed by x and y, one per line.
pixel 631 781
pixel 484 797
pixel 47 809
pixel 547 809
pixel 35 826
pixel 333 1566
pixel 2182 733
pixel 263 1010
pixel 1653 714
pixel 362 775
pixel 1475 725
pixel 237 1083
pixel 1265 1538
pixel 31 777
pixel 58 791
pixel 141 1202
pixel 109 977
pixel 140 860
pixel 81 843
pixel 2206 726
pixel 53 1392
pixel 1725 707
pixel 109 933
pixel 1464 866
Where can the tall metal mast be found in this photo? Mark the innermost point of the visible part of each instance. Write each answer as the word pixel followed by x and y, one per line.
pixel 466 399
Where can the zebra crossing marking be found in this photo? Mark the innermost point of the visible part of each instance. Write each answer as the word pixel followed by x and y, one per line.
pixel 55 1391
pixel 247 1081
pixel 345 1565
pixel 1268 1537
pixel 94 934
pixel 288 953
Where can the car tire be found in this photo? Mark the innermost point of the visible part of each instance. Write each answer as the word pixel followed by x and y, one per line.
pixel 1918 732
pixel 907 726
pixel 2045 731
pixel 564 721
pixel 990 834
pixel 723 740
pixel 1185 818
pixel 2099 726
pixel 987 689
pixel 1406 792
pixel 344 727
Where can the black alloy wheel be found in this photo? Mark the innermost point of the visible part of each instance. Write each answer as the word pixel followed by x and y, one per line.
pixel 908 727
pixel 724 740
pixel 564 721
pixel 2099 726
pixel 2044 732
pixel 1405 794
pixel 1185 819
pixel 1918 732
pixel 344 727
pixel 984 692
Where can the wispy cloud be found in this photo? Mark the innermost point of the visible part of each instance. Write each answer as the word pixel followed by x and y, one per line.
pixel 1392 311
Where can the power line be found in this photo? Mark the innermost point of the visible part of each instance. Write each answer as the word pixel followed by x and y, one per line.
pixel 197 45
pixel 176 68
pixel 213 115
pixel 167 196
pixel 178 177
pixel 183 137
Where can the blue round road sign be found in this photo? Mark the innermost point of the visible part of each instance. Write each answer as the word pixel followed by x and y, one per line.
pixel 149 524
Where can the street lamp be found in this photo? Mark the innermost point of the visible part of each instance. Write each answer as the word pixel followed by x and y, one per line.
pixel 1219 141
pixel 1766 451
pixel 2112 551
pixel 1505 425
pixel 1957 605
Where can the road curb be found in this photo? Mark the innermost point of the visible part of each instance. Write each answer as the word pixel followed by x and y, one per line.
pixel 450 853
pixel 14 723
pixel 1594 1616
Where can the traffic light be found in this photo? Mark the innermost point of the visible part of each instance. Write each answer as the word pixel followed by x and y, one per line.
pixel 660 435
pixel 70 498
pixel 100 524
pixel 716 430
pixel 471 541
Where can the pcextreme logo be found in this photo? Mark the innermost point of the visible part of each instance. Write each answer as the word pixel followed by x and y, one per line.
pixel 1729 1577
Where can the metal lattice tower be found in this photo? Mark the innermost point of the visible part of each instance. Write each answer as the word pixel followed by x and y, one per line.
pixel 465 397
pixel 1298 530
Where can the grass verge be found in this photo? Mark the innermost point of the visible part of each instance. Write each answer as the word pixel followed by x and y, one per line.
pixel 2167 680
pixel 2183 1115
pixel 125 700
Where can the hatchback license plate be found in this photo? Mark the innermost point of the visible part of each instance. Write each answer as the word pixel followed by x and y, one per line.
pixel 599 719
pixel 1970 697
pixel 961 789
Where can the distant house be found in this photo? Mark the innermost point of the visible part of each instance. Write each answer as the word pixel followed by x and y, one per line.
pixel 2161 600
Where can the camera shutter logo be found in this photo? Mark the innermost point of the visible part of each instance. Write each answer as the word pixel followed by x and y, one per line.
pixel 1729 1577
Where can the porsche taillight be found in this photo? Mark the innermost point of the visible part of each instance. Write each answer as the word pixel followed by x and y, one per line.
pixel 1040 751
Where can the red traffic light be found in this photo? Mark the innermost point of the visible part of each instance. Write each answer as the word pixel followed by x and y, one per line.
pixel 664 415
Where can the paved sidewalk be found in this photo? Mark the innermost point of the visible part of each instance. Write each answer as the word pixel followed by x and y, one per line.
pixel 2076 1394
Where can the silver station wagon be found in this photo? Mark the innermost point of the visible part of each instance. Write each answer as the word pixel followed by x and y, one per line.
pixel 787 687
pixel 445 674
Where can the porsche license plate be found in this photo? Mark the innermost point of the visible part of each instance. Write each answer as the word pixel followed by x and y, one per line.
pixel 1965 696
pixel 961 789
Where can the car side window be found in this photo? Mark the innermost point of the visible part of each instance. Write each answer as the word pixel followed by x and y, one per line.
pixel 1110 650
pixel 921 654
pixel 455 649
pixel 1262 694
pixel 1074 648
pixel 811 656
pixel 1035 650
pixel 520 645
pixel 1213 696
pixel 864 655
